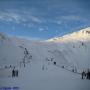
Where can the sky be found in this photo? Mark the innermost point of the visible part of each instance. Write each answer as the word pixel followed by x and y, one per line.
pixel 43 19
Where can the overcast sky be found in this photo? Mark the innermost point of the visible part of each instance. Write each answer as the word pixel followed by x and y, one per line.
pixel 43 19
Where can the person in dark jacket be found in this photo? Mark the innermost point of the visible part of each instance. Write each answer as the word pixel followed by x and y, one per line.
pixel 13 73
pixel 16 71
pixel 88 74
pixel 83 75
pixel 54 63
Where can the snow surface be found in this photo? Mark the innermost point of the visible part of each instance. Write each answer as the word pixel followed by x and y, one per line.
pixel 71 51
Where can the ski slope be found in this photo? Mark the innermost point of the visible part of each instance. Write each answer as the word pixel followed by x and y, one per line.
pixel 53 78
pixel 35 62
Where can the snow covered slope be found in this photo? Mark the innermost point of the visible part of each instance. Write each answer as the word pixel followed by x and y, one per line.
pixel 45 65
pixel 9 52
pixel 76 46
pixel 71 50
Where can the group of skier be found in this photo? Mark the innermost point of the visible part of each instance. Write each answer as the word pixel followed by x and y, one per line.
pixel 14 73
pixel 86 75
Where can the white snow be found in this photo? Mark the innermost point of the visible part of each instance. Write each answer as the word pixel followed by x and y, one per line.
pixel 40 73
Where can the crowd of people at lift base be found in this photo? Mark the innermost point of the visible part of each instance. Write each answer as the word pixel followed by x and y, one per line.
pixel 86 75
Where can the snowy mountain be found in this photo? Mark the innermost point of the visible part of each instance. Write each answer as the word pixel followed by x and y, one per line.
pixel 77 47
pixel 82 35
pixel 69 50
pixel 45 60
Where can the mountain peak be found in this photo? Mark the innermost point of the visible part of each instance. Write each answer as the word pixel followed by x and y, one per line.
pixel 86 30
pixel 83 34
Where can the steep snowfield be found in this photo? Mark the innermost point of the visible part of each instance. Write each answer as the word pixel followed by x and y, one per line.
pixel 71 51
pixel 76 46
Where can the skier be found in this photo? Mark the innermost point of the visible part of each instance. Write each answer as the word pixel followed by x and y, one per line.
pixel 83 74
pixel 54 63
pixel 5 66
pixel 62 66
pixel 43 67
pixel 88 74
pixel 13 73
pixel 10 66
pixel 16 72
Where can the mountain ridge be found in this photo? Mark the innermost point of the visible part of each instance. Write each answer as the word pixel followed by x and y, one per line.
pixel 81 35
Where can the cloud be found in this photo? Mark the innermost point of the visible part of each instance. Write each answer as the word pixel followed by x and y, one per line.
pixel 41 29
pixel 30 25
pixel 19 17
pixel 35 19
pixel 10 17
pixel 45 28
pixel 70 18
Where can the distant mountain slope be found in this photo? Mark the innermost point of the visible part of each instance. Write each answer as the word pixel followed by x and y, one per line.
pixel 82 35
pixel 9 52
pixel 76 47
